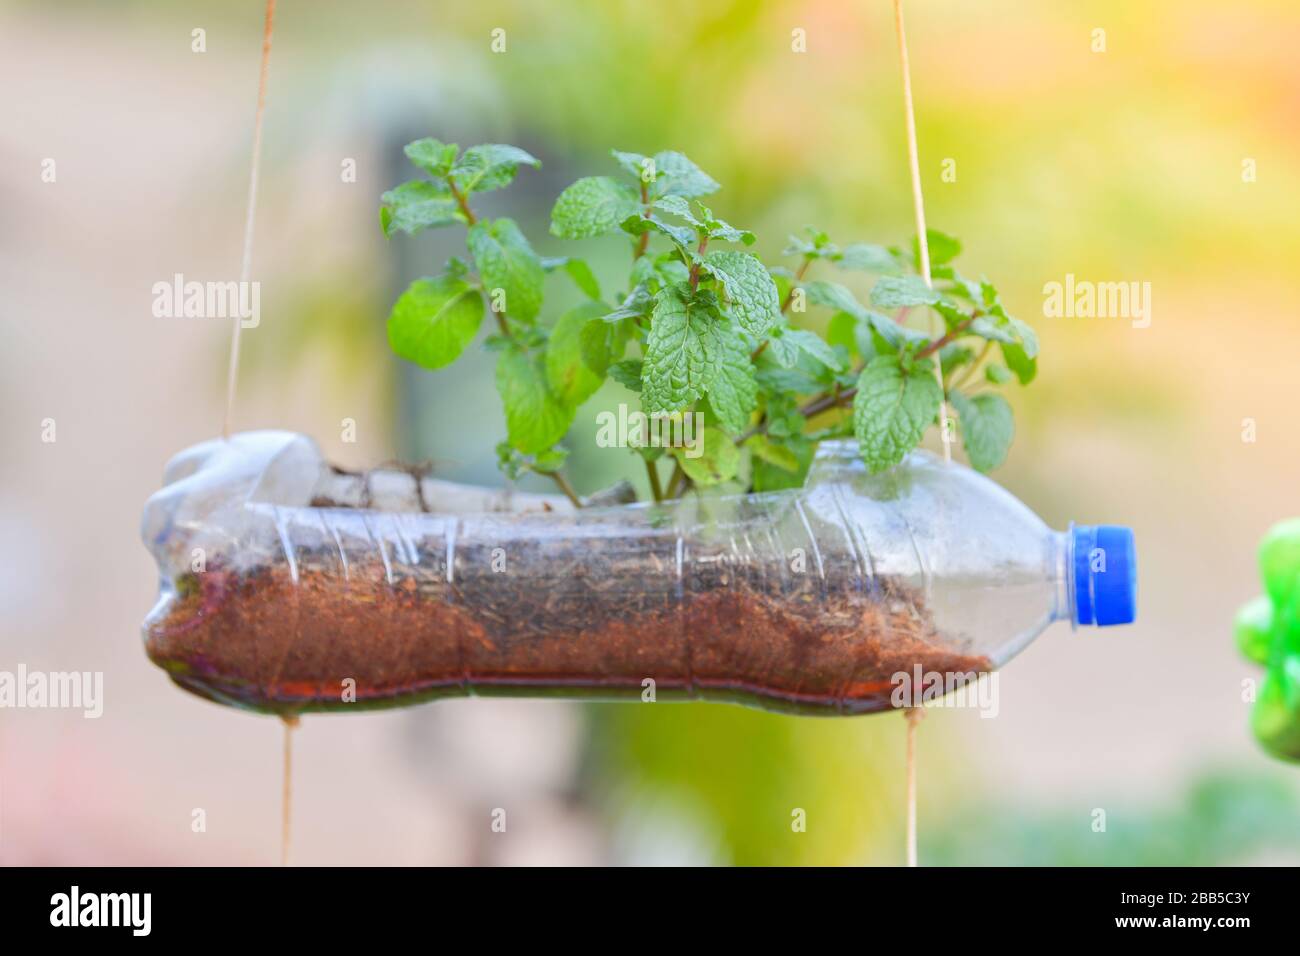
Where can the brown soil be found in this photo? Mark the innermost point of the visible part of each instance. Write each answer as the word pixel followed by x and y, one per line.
pixel 594 624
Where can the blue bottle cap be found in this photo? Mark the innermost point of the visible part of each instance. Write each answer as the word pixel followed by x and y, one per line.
pixel 1105 575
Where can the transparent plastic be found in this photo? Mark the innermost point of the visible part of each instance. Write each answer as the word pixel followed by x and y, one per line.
pixel 287 586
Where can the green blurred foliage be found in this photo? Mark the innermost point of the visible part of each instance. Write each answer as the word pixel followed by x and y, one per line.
pixel 1222 818
pixel 744 774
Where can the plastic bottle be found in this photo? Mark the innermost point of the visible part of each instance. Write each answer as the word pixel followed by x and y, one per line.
pixel 275 598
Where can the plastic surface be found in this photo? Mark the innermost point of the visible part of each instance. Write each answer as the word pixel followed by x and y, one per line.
pixel 278 596
pixel 1105 575
pixel 1268 633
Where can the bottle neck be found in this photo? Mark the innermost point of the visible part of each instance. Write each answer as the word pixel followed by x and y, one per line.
pixel 1063 567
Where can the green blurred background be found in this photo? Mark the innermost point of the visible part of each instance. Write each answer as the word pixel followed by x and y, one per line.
pixel 1117 165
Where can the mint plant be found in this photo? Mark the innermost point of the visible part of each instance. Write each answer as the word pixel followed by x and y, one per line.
pixel 701 325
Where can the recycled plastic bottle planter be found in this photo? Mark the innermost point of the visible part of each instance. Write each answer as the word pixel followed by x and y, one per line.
pixel 323 591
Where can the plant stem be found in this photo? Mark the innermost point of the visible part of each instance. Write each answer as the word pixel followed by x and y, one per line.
pixel 656 488
pixel 675 483
pixel 785 306
pixel 966 375
pixel 829 400
pixel 470 219
pixel 643 243
pixel 462 202
pixel 695 266
pixel 798 277
pixel 567 488
pixel 947 337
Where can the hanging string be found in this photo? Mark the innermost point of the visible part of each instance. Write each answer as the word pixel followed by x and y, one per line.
pixel 286 789
pixel 918 204
pixel 914 714
pixel 913 717
pixel 246 262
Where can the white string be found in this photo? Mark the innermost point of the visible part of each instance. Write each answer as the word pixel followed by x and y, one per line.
pixel 918 204
pixel 286 790
pixel 246 262
pixel 913 715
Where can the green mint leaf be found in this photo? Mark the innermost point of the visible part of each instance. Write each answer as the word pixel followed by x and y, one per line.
pixel 1017 339
pixel 858 255
pixel 888 336
pixel 998 326
pixel 658 271
pixel 507 262
pixel 885 334
pixel 987 428
pixel 943 248
pixel 997 374
pixel 719 461
pixel 991 328
pixel 433 156
pixel 848 331
pixel 639 304
pixel 418 205
pixel 678 176
pixel 512 464
pixel 775 380
pixel 583 277
pixel 567 373
pixel 733 390
pixel 988 294
pixel 551 460
pixel 772 453
pixel 835 296
pixel 603 342
pixel 578 271
pixel 679 206
pixel 713 227
pixel 535 419
pixel 867 257
pixel 808 248
pixel 641 168
pixel 954 356
pixel 966 289
pixel 892 410
pixel 900 292
pixel 785 351
pixel 684 350
pixel 751 296
pixel 1020 362
pixel 813 344
pixel 592 207
pixel 490 166
pixel 769 477
pixel 682 236
pixel 666 173
pixel 434 319
pixel 627 373
pixel 952 316
pixel 786 345
pixel 1026 334
pixel 728 233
